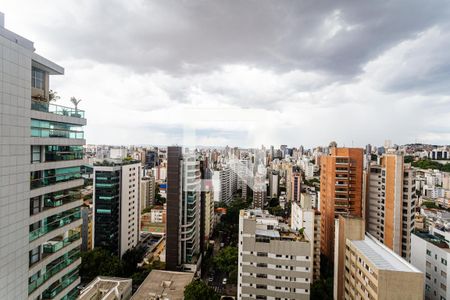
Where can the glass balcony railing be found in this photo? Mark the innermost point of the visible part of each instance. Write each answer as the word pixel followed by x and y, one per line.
pixel 55 224
pixel 63 262
pixel 67 280
pixel 61 199
pixel 54 246
pixel 56 109
pixel 72 295
pixel 50 180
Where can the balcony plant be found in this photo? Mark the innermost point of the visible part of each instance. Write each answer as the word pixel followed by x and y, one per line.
pixel 75 102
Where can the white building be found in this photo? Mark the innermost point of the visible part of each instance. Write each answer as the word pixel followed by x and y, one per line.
pixel 40 177
pixel 430 253
pixel 275 261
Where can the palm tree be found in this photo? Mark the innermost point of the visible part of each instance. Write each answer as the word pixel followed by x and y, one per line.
pixel 53 96
pixel 75 102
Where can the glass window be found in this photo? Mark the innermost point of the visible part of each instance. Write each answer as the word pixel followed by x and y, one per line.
pixel 40 128
pixel 35 255
pixel 37 78
pixel 35 154
pixel 35 205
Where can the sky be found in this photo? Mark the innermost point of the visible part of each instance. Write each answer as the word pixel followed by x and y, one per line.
pixel 247 73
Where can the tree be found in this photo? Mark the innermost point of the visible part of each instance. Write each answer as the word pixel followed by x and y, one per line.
pixel 227 259
pixel 198 290
pixel 75 102
pixel 130 259
pixel 408 159
pixel 98 262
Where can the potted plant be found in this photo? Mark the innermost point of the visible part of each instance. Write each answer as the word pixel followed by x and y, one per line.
pixel 75 102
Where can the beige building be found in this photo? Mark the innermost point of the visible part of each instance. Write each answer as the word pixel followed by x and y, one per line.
pixel 148 188
pixel 275 261
pixel 107 288
pixel 391 203
pixel 309 219
pixel 367 269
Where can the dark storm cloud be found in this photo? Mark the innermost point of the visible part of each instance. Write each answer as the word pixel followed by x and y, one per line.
pixel 336 37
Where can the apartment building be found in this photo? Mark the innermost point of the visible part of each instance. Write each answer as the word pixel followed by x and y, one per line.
pixel 275 261
pixel 86 227
pixel 341 187
pixel 307 220
pixel 183 211
pixel 40 178
pixel 222 182
pixel 367 269
pixel 116 205
pixel 391 203
pixel 296 181
pixel 274 184
pixel 147 191
pixel 430 253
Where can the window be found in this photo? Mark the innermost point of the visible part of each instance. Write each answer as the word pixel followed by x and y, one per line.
pixel 35 255
pixel 37 78
pixel 428 252
pixel 35 154
pixel 35 205
pixel 443 261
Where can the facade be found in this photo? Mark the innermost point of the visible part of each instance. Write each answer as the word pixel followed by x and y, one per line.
pixel 367 269
pixel 40 182
pixel 275 261
pixel 107 288
pixel 116 205
pixel 183 211
pixel 222 178
pixel 86 227
pixel 309 220
pixel 259 191
pixel 391 203
pixel 430 253
pixel 296 180
pixel 147 191
pixel 341 187
pixel 274 184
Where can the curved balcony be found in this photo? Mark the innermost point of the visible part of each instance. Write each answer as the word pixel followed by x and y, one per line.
pixel 60 220
pixel 57 109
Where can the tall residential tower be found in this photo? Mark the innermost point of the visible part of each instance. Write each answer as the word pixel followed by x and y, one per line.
pixel 40 158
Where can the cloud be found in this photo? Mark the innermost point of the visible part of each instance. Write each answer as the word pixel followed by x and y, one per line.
pixel 248 72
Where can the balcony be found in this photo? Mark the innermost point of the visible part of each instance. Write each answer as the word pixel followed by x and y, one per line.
pixel 65 261
pixel 60 221
pixel 57 200
pixel 57 244
pixel 51 180
pixel 56 109
pixel 57 287
pixel 72 295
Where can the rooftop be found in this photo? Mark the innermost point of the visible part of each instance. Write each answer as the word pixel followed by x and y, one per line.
pixel 381 256
pixel 167 284
pixel 438 242
pixel 106 288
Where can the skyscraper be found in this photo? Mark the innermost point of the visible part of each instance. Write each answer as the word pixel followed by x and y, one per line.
pixel 391 203
pixel 341 185
pixel 183 210
pixel 296 180
pixel 40 182
pixel 116 205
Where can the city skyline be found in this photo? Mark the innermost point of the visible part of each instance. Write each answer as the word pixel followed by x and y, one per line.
pixel 248 74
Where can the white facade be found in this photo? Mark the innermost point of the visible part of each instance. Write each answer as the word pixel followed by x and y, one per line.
pixel 35 213
pixel 434 262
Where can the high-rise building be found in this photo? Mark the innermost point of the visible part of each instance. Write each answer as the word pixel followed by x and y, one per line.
pixel 86 227
pixel 391 203
pixel 183 210
pixel 367 269
pixel 274 184
pixel 116 205
pixel 259 191
pixel 40 161
pixel 275 261
pixel 341 186
pixel 296 181
pixel 148 188
pixel 307 219
pixel 222 178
